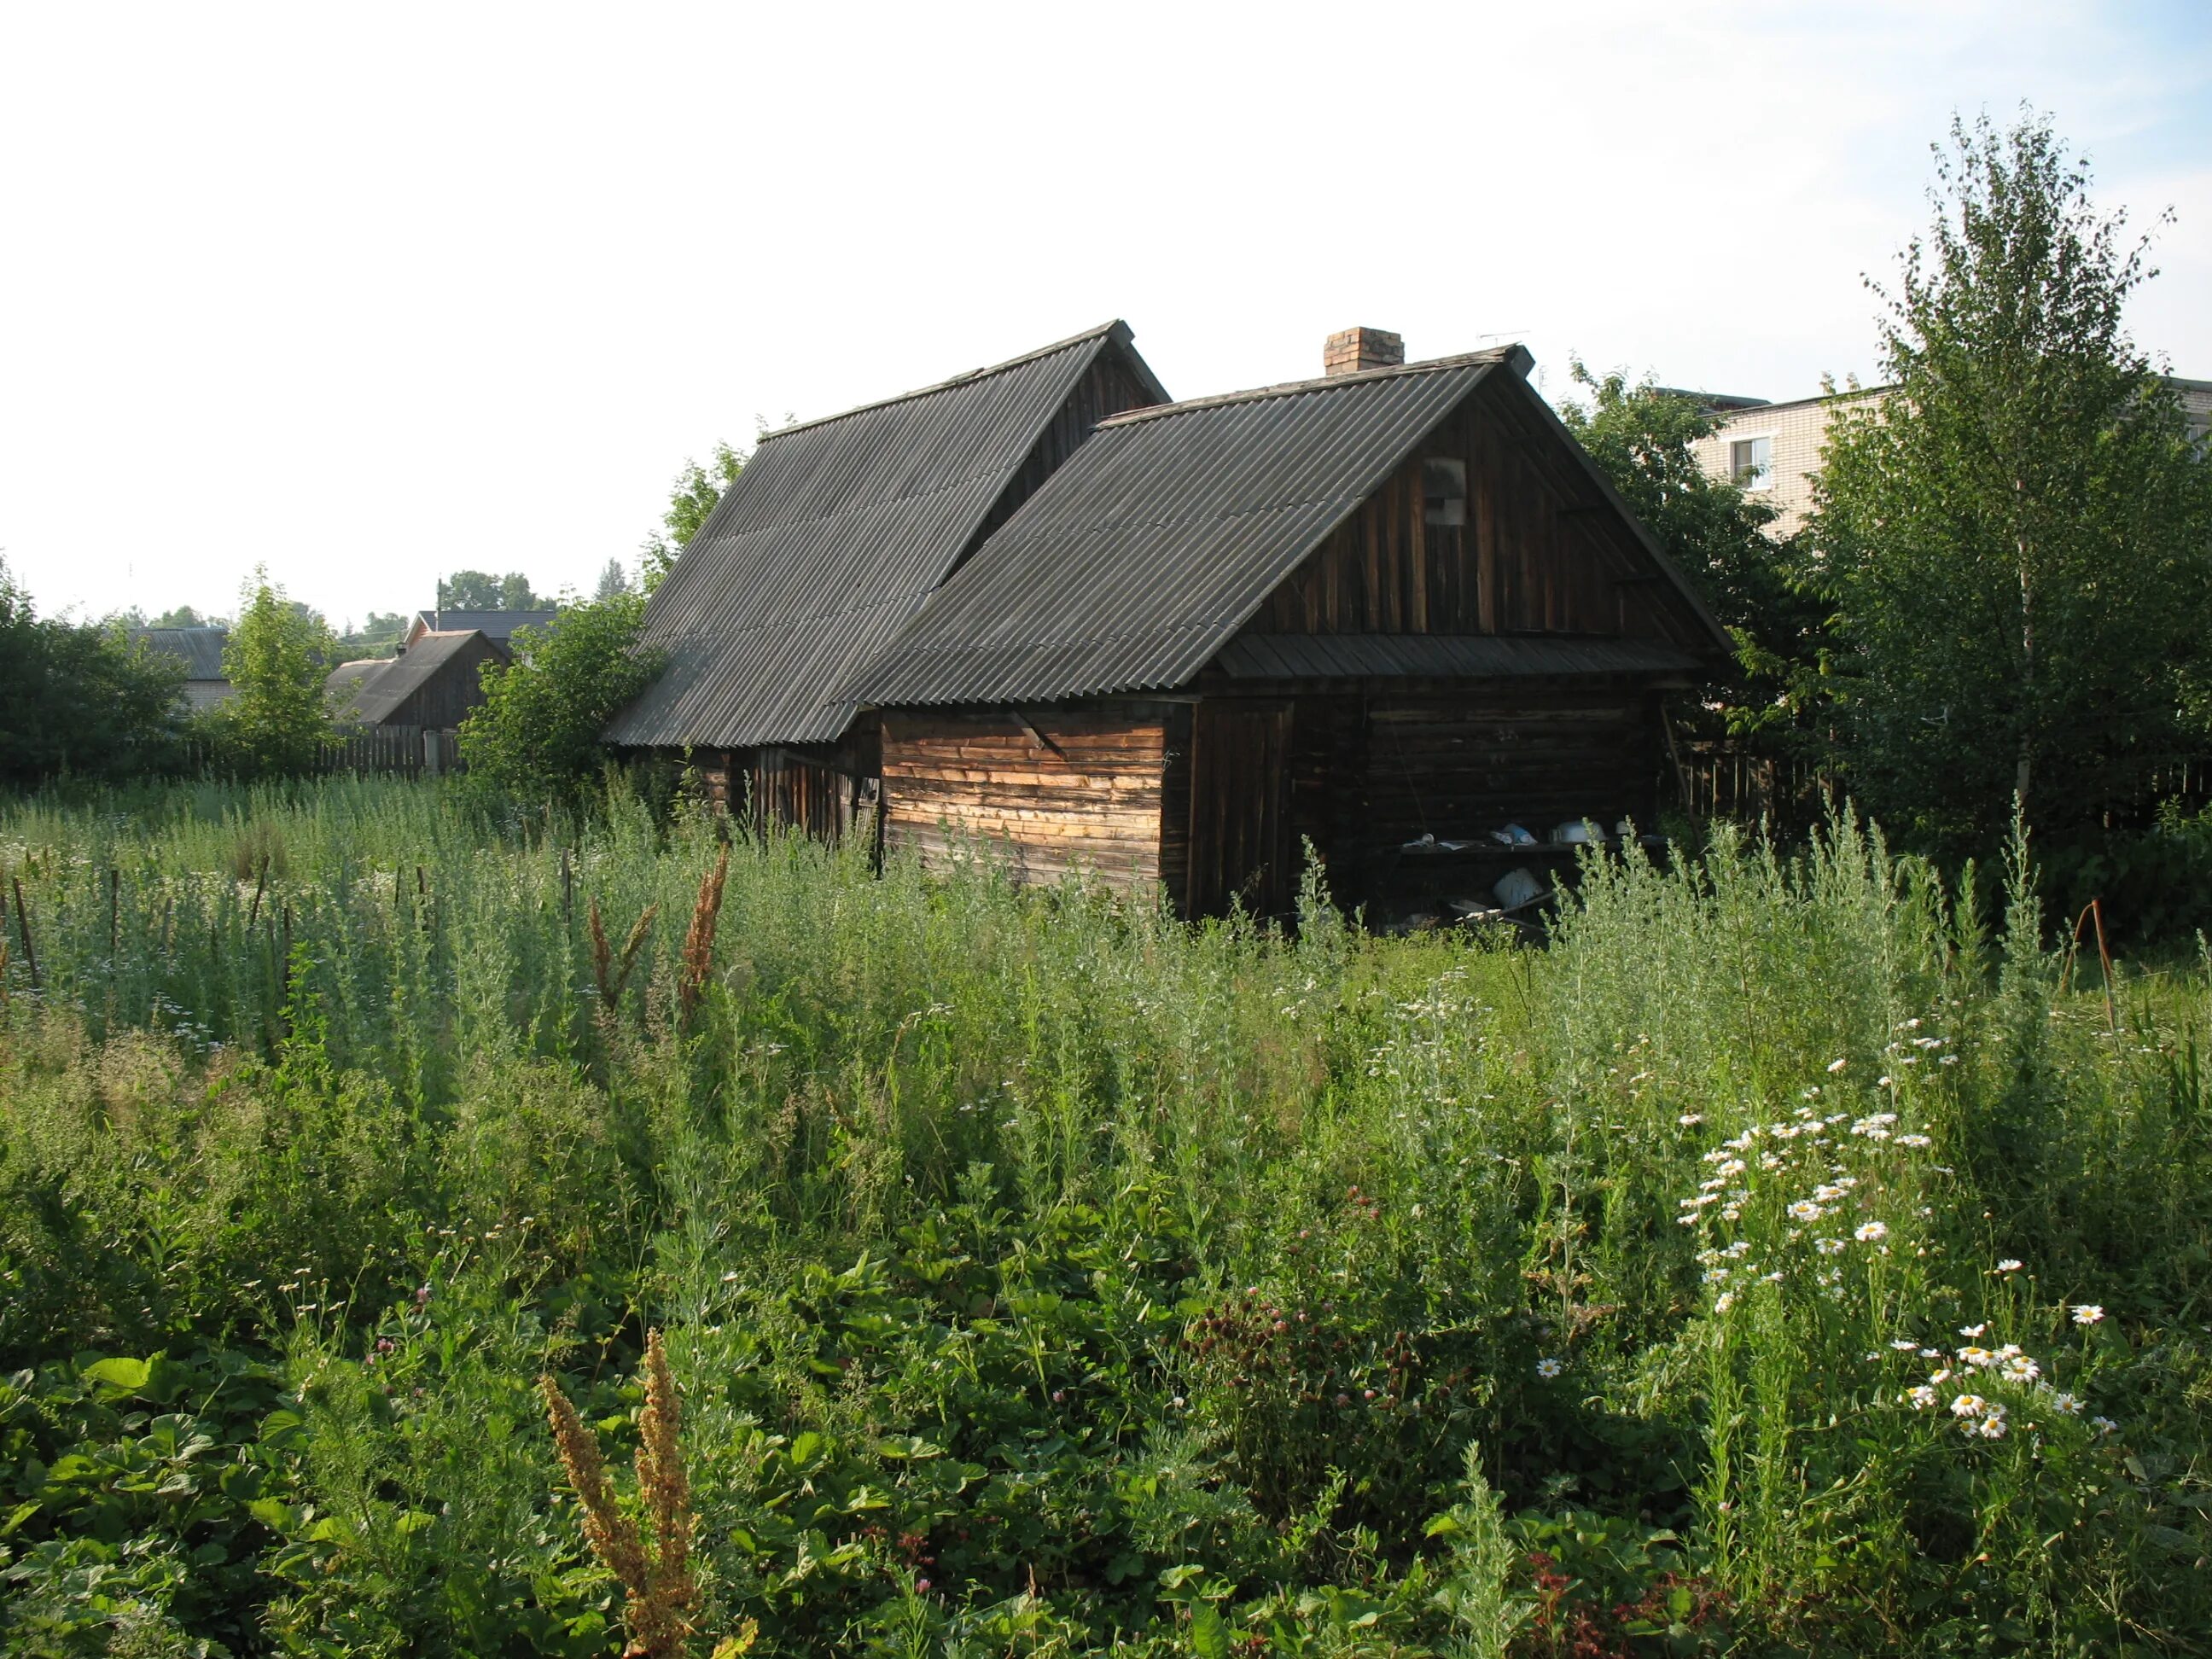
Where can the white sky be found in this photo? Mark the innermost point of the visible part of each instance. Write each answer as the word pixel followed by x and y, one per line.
pixel 367 293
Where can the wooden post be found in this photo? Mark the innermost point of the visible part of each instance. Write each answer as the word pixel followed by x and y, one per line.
pixel 23 931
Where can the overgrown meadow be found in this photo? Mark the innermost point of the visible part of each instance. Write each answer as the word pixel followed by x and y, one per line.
pixel 1786 1260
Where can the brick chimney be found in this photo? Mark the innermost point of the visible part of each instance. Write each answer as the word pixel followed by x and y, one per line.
pixel 1356 349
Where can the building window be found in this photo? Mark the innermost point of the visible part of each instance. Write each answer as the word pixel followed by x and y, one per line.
pixel 1751 463
pixel 1443 492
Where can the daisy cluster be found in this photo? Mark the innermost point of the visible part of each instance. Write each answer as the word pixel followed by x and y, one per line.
pixel 1823 1167
pixel 2005 1370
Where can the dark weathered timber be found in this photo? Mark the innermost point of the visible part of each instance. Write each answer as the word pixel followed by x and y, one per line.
pixel 434 684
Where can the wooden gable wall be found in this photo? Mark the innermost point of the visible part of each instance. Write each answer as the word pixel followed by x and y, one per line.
pixel 1542 551
pixel 1107 388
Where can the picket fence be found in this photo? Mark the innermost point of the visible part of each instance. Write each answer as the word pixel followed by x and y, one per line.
pixel 403 752
pixel 1719 780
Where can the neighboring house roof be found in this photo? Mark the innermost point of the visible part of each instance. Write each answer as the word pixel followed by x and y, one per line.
pixel 200 648
pixel 835 534
pixel 347 681
pixel 1139 559
pixel 378 693
pixel 492 624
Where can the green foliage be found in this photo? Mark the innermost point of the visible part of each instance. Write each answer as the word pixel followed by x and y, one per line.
pixel 80 697
pixel 277 658
pixel 1643 436
pixel 537 736
pixel 185 616
pixel 691 498
pixel 378 635
pixel 1044 1275
pixel 2016 534
pixel 479 590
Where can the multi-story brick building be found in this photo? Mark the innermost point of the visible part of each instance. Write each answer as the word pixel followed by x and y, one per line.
pixel 1774 449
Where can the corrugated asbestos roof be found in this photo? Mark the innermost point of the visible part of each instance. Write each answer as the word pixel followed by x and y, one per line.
pixel 829 541
pixel 377 695
pixel 1400 656
pixel 199 649
pixel 1136 562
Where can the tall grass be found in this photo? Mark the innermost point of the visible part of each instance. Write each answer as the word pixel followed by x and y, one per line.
pixel 1040 1274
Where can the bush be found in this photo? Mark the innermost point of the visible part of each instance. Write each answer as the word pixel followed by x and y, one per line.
pixel 81 698
pixel 278 658
pixel 537 736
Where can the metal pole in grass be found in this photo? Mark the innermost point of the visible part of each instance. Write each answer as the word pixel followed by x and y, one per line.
pixel 23 931
pixel 2095 910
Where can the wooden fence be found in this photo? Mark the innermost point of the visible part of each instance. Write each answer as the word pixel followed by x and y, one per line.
pixel 1719 780
pixel 411 751
pixel 406 752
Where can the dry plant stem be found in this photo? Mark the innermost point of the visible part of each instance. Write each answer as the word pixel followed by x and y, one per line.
pixel 657 1586
pixel 613 1537
pixel 601 965
pixel 699 942
pixel 632 946
pixel 666 1487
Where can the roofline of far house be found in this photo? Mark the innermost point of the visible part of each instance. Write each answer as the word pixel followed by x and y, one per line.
pixel 1117 331
pixel 1847 397
pixel 1494 355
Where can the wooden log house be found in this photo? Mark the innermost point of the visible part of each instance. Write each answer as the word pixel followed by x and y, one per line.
pixel 1382 612
pixel 433 683
pixel 827 544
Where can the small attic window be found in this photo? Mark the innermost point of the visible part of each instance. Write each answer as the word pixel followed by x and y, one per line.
pixel 1443 491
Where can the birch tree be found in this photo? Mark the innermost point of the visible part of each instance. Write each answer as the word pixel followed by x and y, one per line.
pixel 2013 536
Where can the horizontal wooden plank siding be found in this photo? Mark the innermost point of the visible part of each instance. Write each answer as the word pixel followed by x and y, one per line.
pixel 1088 797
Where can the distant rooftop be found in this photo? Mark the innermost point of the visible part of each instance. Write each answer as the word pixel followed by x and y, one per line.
pixel 200 649
pixel 499 625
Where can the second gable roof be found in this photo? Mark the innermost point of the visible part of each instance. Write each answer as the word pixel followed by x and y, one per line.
pixel 833 537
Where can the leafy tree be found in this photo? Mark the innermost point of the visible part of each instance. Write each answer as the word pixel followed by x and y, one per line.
pixel 693 496
pixel 2015 536
pixel 80 697
pixel 479 590
pixel 1642 436
pixel 612 581
pixel 536 736
pixel 378 633
pixel 184 617
pixel 277 659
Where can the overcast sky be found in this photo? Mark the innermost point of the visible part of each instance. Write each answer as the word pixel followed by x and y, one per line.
pixel 366 294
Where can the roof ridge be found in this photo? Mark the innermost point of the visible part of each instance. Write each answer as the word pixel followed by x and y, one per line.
pixel 1104 330
pixel 1324 383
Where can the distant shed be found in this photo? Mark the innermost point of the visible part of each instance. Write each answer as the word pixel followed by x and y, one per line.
pixel 433 683
pixel 1387 610
pixel 200 650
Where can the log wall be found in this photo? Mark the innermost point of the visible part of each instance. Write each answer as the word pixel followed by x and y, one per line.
pixel 1073 789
